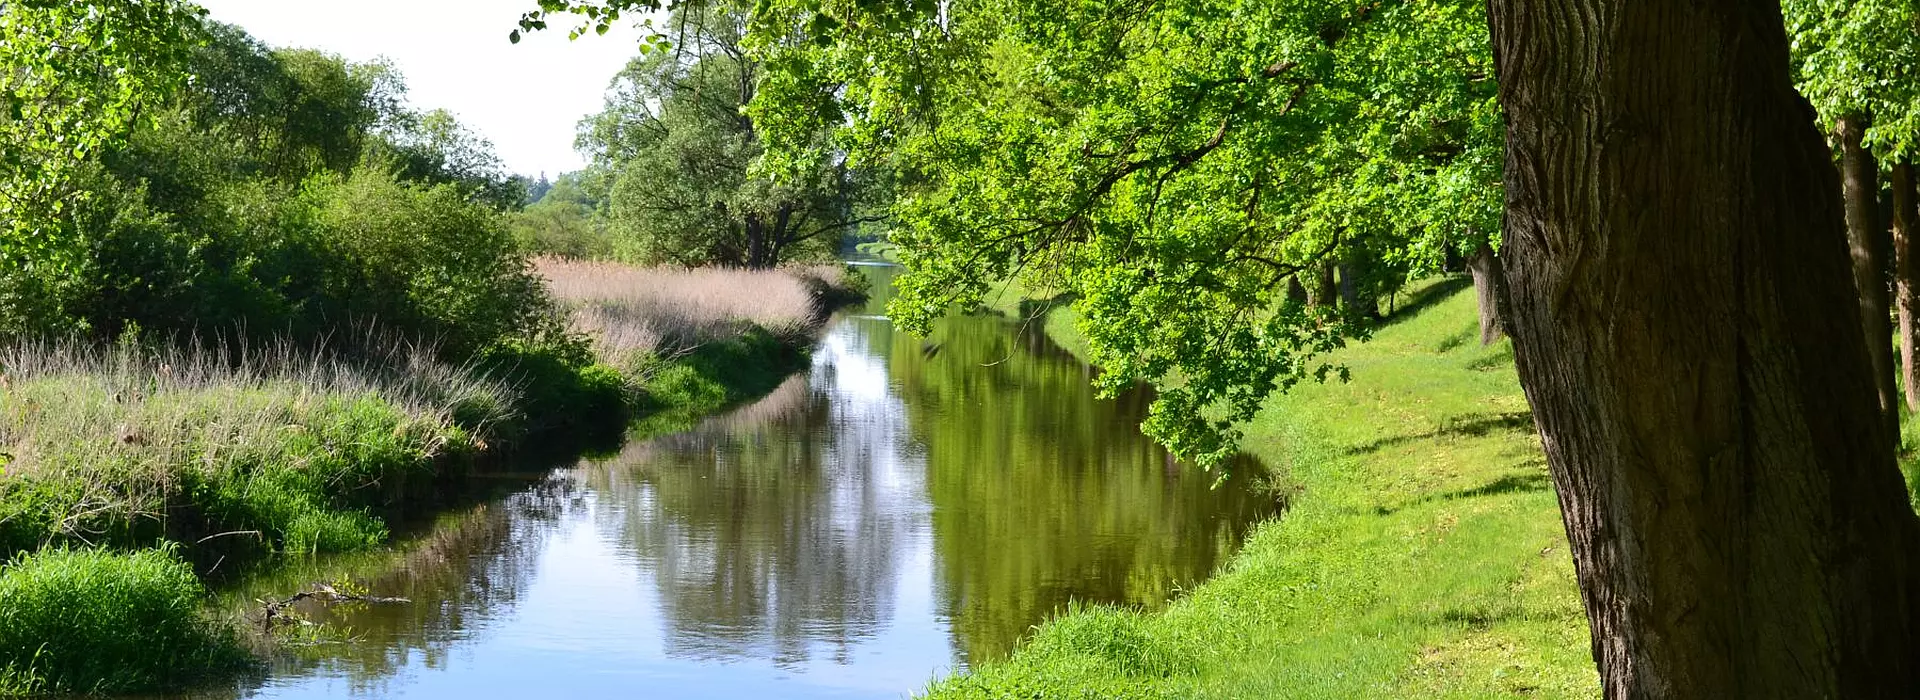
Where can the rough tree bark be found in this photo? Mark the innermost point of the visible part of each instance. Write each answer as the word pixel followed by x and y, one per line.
pixel 1906 215
pixel 1486 285
pixel 1686 329
pixel 1871 246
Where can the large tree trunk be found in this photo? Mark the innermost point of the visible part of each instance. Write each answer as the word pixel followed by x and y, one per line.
pixel 1686 329
pixel 1871 246
pixel 1906 215
pixel 1486 286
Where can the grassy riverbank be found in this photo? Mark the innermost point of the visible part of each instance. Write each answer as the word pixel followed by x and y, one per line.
pixel 1423 555
pixel 143 453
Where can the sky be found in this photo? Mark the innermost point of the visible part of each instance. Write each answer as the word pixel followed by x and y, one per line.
pixel 525 98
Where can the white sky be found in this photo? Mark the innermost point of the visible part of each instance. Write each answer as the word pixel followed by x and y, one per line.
pixel 455 55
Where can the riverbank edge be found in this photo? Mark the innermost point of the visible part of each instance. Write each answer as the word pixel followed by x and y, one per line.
pixel 1422 556
pixel 658 397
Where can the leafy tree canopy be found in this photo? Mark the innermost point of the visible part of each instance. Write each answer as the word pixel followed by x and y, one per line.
pixel 78 76
pixel 681 151
pixel 1862 58
pixel 1173 166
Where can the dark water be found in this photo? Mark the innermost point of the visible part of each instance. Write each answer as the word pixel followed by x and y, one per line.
pixel 904 508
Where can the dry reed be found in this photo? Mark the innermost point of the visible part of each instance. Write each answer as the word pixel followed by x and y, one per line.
pixel 633 312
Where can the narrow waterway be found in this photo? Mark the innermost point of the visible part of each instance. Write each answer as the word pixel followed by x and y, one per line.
pixel 904 508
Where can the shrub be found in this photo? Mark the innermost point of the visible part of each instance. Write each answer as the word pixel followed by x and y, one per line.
pixel 563 390
pixel 91 621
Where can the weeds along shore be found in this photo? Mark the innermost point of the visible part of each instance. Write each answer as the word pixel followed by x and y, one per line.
pixel 129 471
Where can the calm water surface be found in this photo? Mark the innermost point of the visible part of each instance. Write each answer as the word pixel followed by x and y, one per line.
pixel 904 508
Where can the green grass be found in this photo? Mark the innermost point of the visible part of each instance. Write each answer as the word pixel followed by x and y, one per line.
pixel 130 448
pixel 677 393
pixel 90 621
pixel 1423 556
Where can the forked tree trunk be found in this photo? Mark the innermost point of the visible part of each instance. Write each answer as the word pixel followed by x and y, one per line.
pixel 1871 247
pixel 1686 329
pixel 1486 285
pixel 1906 215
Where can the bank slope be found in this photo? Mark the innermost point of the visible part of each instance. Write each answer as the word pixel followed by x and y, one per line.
pixel 1422 555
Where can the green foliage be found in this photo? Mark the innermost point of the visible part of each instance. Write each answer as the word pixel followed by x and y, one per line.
pixel 76 77
pixel 1174 166
pixel 678 392
pixel 425 260
pixel 1423 556
pixel 683 156
pixel 92 621
pixel 1861 57
pixel 563 389
pixel 284 190
pixel 564 221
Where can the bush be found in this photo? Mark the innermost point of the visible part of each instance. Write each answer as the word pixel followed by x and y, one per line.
pixel 91 621
pixel 563 390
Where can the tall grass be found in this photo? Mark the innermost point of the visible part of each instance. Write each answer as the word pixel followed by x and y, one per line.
pixel 90 621
pixel 664 313
pixel 275 444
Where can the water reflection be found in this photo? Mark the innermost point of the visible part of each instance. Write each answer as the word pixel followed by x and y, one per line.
pixel 905 507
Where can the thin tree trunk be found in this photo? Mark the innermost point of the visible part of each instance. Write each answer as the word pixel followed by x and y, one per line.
pixel 1870 244
pixel 1686 328
pixel 756 241
pixel 1486 286
pixel 1906 216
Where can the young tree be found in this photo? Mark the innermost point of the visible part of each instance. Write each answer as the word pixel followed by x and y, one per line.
pixel 1855 61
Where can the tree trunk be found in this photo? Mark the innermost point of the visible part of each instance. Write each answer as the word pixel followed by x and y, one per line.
pixel 1906 215
pixel 1360 302
pixel 1324 291
pixel 1686 328
pixel 756 241
pixel 1871 246
pixel 1486 285
pixel 1296 291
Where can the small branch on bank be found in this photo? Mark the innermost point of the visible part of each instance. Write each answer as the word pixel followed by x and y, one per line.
pixel 276 612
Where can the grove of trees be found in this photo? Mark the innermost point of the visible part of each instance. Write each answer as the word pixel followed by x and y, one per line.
pixel 1699 300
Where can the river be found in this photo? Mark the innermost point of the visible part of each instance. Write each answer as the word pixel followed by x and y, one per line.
pixel 903 508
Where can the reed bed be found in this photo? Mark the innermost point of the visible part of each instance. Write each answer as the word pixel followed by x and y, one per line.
pixel 636 313
pixel 277 443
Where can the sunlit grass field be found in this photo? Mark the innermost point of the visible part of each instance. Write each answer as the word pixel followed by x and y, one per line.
pixel 1422 556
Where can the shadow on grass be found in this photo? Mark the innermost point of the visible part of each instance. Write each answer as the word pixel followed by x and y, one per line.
pixel 1424 299
pixel 1527 482
pixel 1470 425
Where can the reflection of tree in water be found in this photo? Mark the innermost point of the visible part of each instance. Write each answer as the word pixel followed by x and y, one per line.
pixel 777 528
pixel 1044 494
pixel 471 568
